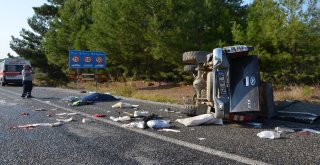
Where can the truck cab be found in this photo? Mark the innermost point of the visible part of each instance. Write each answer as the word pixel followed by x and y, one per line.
pixel 226 81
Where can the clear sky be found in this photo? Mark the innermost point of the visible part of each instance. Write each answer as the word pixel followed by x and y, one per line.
pixel 13 17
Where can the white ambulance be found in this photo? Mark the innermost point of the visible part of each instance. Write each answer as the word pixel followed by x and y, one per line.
pixel 10 70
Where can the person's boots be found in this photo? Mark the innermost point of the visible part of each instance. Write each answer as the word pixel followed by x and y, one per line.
pixel 28 95
pixel 23 95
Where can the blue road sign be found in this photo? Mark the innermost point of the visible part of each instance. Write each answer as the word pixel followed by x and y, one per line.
pixel 87 59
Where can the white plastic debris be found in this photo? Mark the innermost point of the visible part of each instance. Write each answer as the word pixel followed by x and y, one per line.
pixel 124 105
pixel 60 114
pixel 311 130
pixel 65 120
pixel 269 135
pixel 123 118
pixel 283 130
pixel 54 109
pixel 40 124
pixel 86 120
pixel 158 124
pixel 71 114
pixel 139 124
pixel 50 124
pixel 130 114
pixel 169 110
pixel 67 114
pixel 140 113
pixel 214 121
pixel 200 119
pixel 40 109
pixel 169 130
pixel 201 139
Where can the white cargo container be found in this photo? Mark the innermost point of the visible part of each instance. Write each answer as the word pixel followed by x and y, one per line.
pixel 10 70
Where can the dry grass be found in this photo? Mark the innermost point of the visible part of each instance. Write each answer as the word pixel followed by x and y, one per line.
pixel 302 93
pixel 154 91
pixel 173 93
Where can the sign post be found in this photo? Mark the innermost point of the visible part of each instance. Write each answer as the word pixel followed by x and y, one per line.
pixel 87 59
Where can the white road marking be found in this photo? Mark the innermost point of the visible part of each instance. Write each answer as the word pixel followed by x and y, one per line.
pixel 210 151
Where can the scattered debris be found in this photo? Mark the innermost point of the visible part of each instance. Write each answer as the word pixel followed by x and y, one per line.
pixel 269 134
pixel 215 121
pixel 86 120
pixel 27 126
pixel 124 118
pixel 49 115
pixel 40 109
pixel 201 139
pixel 169 130
pixel 61 114
pixel 54 109
pixel 80 102
pixel 158 124
pixel 71 114
pixel 284 130
pixel 124 105
pixel 99 115
pixel 139 124
pixel 98 97
pixel 130 114
pixel 70 99
pixel 30 126
pixel 140 113
pixel 24 114
pixel 169 110
pixel 200 119
pixel 65 120
pixel 66 114
pixel 88 99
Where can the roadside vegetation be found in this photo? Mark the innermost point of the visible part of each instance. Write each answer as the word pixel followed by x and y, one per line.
pixel 174 93
pixel 144 40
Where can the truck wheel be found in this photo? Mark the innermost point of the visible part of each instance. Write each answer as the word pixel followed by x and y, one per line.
pixel 190 109
pixel 195 57
pixel 190 68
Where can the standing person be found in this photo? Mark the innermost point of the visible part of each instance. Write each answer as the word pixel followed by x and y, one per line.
pixel 27 81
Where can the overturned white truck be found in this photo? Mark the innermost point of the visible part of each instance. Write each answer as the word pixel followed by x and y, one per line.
pixel 226 81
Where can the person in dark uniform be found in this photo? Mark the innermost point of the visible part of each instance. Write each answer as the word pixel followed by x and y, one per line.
pixel 27 81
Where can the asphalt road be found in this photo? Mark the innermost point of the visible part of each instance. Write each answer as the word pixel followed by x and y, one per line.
pixel 106 142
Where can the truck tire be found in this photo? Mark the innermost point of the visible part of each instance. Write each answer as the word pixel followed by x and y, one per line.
pixel 190 109
pixel 195 57
pixel 190 68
